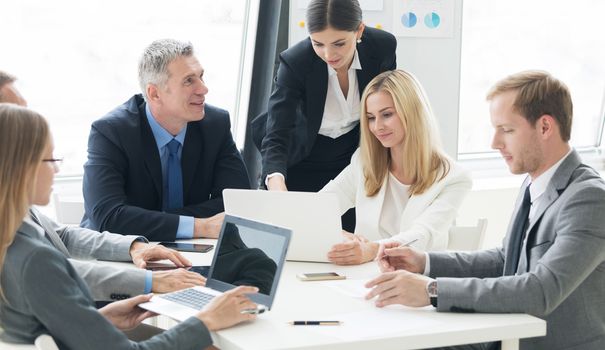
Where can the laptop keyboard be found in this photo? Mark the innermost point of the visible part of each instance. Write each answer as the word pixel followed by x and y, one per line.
pixel 189 297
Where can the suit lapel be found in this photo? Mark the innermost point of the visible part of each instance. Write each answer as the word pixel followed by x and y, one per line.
pixel 192 152
pixel 49 232
pixel 317 88
pixel 369 67
pixel 374 207
pixel 149 149
pixel 555 187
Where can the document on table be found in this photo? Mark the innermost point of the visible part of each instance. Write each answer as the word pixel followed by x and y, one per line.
pixel 384 321
pixel 353 288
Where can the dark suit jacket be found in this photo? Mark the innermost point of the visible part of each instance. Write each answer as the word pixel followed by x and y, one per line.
pixel 296 106
pixel 44 295
pixel 123 176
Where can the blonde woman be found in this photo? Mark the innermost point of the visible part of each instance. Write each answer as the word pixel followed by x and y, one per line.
pixel 40 290
pixel 403 186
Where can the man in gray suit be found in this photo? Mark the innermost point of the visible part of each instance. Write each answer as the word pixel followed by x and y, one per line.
pixel 552 263
pixel 108 282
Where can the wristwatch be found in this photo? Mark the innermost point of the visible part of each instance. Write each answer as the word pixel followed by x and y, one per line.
pixel 431 290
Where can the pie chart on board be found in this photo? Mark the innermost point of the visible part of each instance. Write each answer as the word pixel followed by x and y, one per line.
pixel 432 20
pixel 409 19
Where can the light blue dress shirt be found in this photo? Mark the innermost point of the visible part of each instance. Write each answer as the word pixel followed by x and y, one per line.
pixel 162 137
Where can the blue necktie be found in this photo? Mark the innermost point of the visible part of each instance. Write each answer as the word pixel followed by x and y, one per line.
pixel 517 235
pixel 175 176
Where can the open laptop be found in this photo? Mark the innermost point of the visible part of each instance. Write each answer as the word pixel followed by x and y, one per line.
pixel 313 217
pixel 247 253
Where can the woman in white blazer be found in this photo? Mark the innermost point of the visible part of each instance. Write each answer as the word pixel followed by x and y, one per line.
pixel 403 186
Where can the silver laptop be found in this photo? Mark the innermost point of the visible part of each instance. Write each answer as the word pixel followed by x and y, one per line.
pixel 313 217
pixel 247 253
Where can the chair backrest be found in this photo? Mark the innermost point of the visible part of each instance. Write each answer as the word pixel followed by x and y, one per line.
pixel 69 210
pixel 42 342
pixel 467 237
pixel 45 342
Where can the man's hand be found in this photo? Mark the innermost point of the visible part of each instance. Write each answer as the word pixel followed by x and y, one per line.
pixel 276 183
pixel 226 309
pixel 392 257
pixel 399 287
pixel 208 227
pixel 172 280
pixel 142 253
pixel 125 314
pixel 354 250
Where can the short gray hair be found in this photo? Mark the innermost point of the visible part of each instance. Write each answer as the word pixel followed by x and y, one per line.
pixel 5 78
pixel 153 65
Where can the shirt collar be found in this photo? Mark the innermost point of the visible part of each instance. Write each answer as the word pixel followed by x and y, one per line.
pixel 538 186
pixel 355 65
pixel 161 136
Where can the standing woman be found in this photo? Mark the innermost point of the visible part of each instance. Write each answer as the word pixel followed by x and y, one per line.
pixel 403 186
pixel 312 122
pixel 40 292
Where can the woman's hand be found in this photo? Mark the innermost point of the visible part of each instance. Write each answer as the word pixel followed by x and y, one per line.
pixel 226 310
pixel 276 183
pixel 126 314
pixel 355 250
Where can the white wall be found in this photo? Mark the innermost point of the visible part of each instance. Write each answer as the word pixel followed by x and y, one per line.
pixel 434 61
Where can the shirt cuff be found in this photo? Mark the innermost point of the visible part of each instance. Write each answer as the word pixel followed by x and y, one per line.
pixel 427 264
pixel 185 229
pixel 272 175
pixel 148 281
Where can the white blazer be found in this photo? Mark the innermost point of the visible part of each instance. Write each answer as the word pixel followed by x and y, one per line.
pixel 426 217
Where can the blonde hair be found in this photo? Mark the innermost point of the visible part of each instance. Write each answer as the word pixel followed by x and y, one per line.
pixel 24 135
pixel 423 159
pixel 538 93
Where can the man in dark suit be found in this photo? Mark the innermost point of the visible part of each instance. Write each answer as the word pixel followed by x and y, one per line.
pixel 157 164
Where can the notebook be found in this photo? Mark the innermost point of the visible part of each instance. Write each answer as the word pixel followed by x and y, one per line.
pixel 247 253
pixel 313 217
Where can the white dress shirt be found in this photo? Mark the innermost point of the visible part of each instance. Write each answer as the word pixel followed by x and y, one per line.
pixel 538 187
pixel 341 115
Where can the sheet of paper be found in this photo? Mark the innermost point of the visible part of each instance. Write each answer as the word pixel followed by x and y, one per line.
pixel 349 287
pixel 384 321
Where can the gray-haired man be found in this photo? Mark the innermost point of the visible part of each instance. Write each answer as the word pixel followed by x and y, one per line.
pixel 157 164
pixel 8 92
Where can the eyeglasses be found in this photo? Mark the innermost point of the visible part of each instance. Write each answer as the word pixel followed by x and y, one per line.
pixel 55 161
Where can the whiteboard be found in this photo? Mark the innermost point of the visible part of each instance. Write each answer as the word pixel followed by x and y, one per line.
pixel 434 60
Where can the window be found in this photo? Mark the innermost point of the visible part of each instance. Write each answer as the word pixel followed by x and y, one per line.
pixel 501 37
pixel 77 60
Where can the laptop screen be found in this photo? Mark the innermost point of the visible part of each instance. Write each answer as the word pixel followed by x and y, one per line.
pixel 249 253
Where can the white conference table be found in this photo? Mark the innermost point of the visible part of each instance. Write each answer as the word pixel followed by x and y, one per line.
pixel 364 326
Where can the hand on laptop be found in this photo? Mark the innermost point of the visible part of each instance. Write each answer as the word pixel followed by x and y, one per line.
pixel 391 256
pixel 355 250
pixel 208 227
pixel 142 252
pixel 226 309
pixel 172 280
pixel 125 314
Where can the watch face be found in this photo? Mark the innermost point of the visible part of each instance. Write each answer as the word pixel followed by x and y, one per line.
pixel 432 289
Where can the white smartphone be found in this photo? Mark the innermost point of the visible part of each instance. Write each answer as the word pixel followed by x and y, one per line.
pixel 322 276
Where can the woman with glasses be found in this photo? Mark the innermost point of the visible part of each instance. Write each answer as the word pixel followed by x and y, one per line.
pixel 40 292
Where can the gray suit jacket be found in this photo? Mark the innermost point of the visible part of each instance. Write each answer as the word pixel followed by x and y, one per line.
pixel 45 295
pixel 79 244
pixel 561 275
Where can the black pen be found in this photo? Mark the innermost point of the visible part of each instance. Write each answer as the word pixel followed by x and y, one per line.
pixel 315 323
